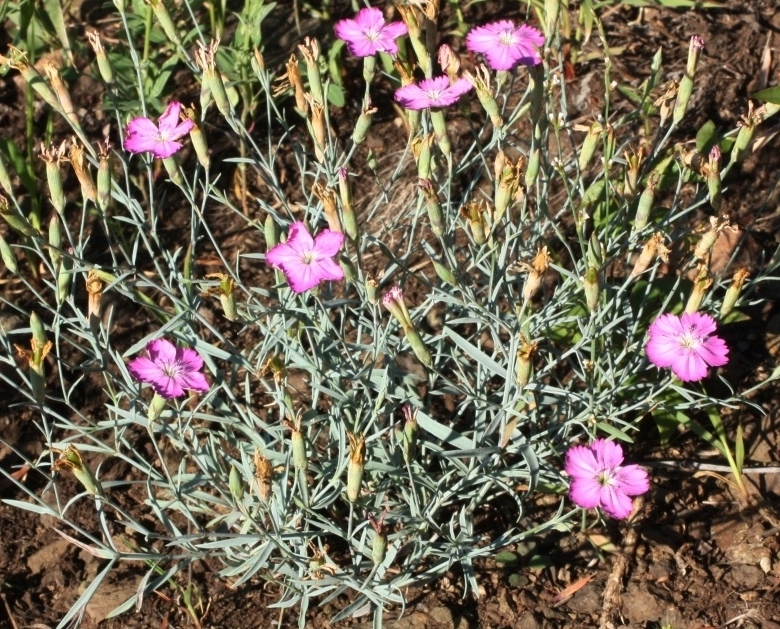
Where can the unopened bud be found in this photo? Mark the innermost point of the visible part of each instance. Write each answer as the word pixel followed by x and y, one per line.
pixel 8 256
pixel 104 66
pixel 645 204
pixel 406 433
pixel 525 358
pixel 165 20
pixel 686 83
pixel 174 170
pixel 714 185
pixel 364 122
pixel 104 175
pixel 589 145
pixel 481 83
pixel 300 458
pixel 421 149
pixel 52 157
pixel 592 286
pixel 348 217
pixel 310 49
pixel 379 545
pixel 449 61
pixel 445 275
pixel 440 130
pixel 206 59
pixel 433 207
pixel 197 137
pixel 236 484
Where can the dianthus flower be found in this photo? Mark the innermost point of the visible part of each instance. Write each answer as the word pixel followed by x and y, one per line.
pixel 368 34
pixel 686 345
pixel 161 139
pixel 505 45
pixel 436 92
pixel 169 369
pixel 307 261
pixel 599 480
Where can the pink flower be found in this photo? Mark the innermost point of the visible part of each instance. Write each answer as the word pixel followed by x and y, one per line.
pixel 169 369
pixel 599 480
pixel 684 344
pixel 505 45
pixel 306 261
pixel 368 34
pixel 158 139
pixel 436 92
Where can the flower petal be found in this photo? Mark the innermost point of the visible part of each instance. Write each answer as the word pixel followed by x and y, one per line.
pixel 690 367
pixel 301 277
pixel 581 462
pixel 282 255
pixel 632 480
pixel 142 136
pixel 170 118
pixel 161 351
pixel 609 454
pixel 615 503
pixel 584 492
pixel 144 370
pixel 168 387
pixel 327 269
pixel 328 243
pixel 714 351
pixel 299 238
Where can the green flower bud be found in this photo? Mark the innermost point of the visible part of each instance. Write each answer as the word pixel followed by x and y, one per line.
pixel 236 484
pixel 206 59
pixel 104 175
pixel 348 217
pixel 645 204
pixel 714 185
pixel 406 433
pixel 432 206
pixel 8 256
pixel 525 355
pixel 481 83
pixel 533 167
pixel 52 157
pixel 372 290
pixel 445 274
pixel 379 545
pixel 686 83
pixel 421 149
pixel 589 144
pixel 364 121
pixel 440 131
pixel 300 458
pixel 356 465
pixel 156 407
pixel 592 287
pixel 310 49
pixel 164 18
pixel 104 66
pixel 174 171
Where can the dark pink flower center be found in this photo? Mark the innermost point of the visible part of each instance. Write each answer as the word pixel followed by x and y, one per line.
pixel 173 370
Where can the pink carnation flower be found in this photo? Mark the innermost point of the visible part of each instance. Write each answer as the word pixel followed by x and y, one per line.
pixel 307 261
pixel 505 45
pixel 161 139
pixel 368 34
pixel 599 480
pixel 436 92
pixel 169 369
pixel 685 345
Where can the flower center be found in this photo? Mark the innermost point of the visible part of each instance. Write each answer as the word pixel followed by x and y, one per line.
pixel 605 478
pixel 506 38
pixel 172 370
pixel 690 340
pixel 372 35
pixel 308 257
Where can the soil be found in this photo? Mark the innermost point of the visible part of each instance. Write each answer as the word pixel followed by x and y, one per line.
pixel 695 556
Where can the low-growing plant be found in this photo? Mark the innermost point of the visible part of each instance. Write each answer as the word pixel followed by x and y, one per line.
pixel 360 408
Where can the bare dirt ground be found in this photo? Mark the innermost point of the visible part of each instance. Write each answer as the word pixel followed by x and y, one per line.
pixel 694 550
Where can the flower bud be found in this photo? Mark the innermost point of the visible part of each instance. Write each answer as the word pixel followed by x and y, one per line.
pixel 310 49
pixel 39 349
pixel 686 83
pixel 713 178
pixel 206 59
pixel 198 138
pixel 55 242
pixel 393 300
pixel 104 175
pixel 236 484
pixel 348 217
pixel 532 171
pixel 433 207
pixel 104 66
pixel 421 149
pixel 71 460
pixel 645 205
pixel 633 164
pixel 410 18
pixel 445 275
pixel 271 232
pixel 83 173
pixel 592 286
pixel 525 356
pixel 364 122
pixel 732 292
pixel 701 284
pixel 18 61
pixel 449 61
pixel 5 178
pixel 264 473
pixel 406 433
pixel 8 256
pixel 52 157
pixel 589 145
pixel 357 462
pixel 747 126
pixel 300 458
pixel 379 545
pixel 15 219
pixel 164 18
